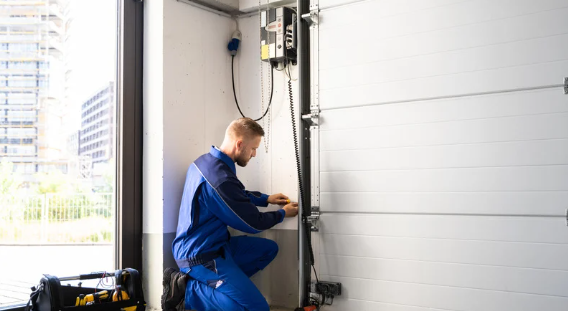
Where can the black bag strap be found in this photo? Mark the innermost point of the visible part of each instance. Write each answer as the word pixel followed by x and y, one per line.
pixel 118 277
pixel 49 292
pixel 134 285
pixel 32 302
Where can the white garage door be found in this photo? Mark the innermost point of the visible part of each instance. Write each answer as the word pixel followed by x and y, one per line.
pixel 444 154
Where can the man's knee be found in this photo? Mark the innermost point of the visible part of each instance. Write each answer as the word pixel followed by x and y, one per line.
pixel 271 249
pixel 200 296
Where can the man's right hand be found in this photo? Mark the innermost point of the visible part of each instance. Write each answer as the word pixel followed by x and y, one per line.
pixel 291 209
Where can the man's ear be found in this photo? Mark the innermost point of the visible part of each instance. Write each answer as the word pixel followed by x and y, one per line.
pixel 239 144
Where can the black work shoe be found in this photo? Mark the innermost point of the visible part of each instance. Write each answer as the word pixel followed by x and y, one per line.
pixel 173 296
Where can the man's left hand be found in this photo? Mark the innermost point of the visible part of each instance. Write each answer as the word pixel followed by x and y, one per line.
pixel 279 199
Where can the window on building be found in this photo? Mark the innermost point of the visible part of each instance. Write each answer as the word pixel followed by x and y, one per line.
pixel 21 150
pixel 22 82
pixel 21 132
pixel 22 65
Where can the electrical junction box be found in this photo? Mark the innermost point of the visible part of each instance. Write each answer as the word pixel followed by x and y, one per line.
pixel 278 35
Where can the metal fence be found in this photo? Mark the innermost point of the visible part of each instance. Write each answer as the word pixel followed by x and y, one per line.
pixel 57 218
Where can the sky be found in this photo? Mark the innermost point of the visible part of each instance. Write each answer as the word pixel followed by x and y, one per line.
pixel 92 50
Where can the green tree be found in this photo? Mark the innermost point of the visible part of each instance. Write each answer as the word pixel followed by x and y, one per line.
pixel 10 181
pixel 51 182
pixel 108 175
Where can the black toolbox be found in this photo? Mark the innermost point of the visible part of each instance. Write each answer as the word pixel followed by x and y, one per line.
pixel 126 294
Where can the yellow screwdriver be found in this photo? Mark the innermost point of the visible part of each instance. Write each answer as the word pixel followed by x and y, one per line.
pixel 79 300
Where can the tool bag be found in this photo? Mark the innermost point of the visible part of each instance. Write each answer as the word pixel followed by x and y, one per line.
pixel 50 295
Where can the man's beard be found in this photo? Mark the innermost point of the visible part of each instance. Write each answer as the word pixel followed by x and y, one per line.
pixel 242 162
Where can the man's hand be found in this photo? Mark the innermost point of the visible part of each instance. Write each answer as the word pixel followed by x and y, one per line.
pixel 279 199
pixel 291 209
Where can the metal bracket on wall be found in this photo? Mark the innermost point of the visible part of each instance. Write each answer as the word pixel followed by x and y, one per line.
pixel 314 218
pixel 312 118
pixel 566 85
pixel 313 17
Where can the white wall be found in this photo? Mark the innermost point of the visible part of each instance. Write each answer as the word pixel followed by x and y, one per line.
pixel 197 96
pixel 188 102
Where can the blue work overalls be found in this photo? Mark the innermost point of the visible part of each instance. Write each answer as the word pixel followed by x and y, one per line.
pixel 220 265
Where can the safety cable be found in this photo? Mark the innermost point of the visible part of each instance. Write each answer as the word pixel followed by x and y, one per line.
pixel 235 93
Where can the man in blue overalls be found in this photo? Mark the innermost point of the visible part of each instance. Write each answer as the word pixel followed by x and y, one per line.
pixel 219 266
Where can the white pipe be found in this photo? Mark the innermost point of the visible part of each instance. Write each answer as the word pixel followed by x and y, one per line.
pixel 208 9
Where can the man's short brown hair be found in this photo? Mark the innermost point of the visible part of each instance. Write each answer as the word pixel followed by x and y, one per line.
pixel 245 127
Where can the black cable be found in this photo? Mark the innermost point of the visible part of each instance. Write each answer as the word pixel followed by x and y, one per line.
pixel 313 267
pixel 300 186
pixel 296 147
pixel 235 93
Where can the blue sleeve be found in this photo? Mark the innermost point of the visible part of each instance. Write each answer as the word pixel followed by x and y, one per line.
pixel 257 198
pixel 236 210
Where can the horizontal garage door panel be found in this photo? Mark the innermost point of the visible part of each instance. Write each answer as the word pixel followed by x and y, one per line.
pixel 544 178
pixel 516 128
pixel 395 6
pixel 393 39
pixel 362 305
pixel 540 256
pixel 459 84
pixel 443 297
pixel 525 153
pixel 485 228
pixel 516 280
pixel 425 16
pixel 470 203
pixel 544 101
pixel 481 59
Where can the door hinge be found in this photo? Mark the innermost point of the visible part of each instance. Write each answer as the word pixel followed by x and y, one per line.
pixel 566 85
pixel 314 218
pixel 312 118
pixel 313 17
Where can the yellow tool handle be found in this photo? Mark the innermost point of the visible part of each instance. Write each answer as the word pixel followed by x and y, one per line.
pixel 80 300
pixel 102 295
